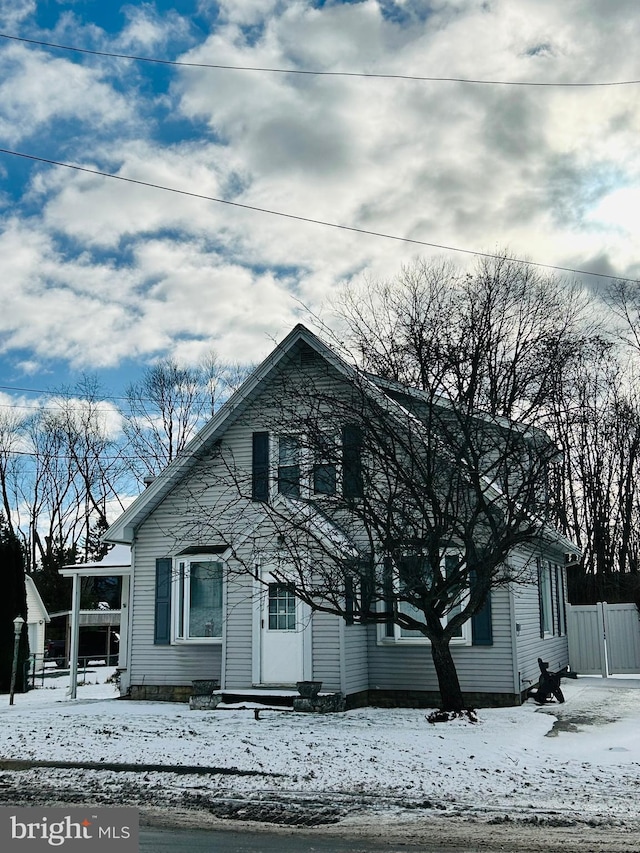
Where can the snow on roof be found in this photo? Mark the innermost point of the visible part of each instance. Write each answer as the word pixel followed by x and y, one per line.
pixel 118 557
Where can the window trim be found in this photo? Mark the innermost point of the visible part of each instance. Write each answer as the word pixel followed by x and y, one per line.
pixel 552 598
pixel 297 468
pixel 545 599
pixel 307 465
pixel 180 594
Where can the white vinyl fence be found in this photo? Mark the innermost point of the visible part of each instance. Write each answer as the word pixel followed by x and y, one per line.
pixel 604 639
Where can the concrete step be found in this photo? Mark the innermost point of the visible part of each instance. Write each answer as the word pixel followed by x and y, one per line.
pixel 267 699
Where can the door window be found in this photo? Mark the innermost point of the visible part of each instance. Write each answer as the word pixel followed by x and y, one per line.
pixel 282 607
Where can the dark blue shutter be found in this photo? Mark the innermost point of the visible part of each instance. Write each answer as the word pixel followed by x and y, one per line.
pixel 387 587
pixel 260 467
pixel 348 600
pixel 352 461
pixel 481 624
pixel 162 627
pixel 481 627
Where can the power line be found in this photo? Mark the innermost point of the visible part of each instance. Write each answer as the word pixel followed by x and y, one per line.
pixel 69 457
pixel 64 398
pixel 312 73
pixel 310 220
pixel 53 393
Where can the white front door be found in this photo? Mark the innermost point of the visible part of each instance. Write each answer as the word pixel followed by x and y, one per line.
pixel 282 634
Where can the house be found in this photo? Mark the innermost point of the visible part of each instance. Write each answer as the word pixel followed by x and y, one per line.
pixel 214 535
pixel 37 618
pixel 110 622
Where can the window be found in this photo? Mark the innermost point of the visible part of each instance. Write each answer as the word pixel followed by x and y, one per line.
pixel 560 601
pixel 289 466
pixel 324 467
pixel 198 596
pixel 545 598
pixel 551 597
pixel 414 569
pixel 282 607
pixel 303 468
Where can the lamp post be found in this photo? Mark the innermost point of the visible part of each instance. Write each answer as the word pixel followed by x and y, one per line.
pixel 18 622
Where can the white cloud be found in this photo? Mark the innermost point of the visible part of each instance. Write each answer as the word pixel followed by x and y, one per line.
pixel 38 90
pixel 247 11
pixel 145 28
pixel 100 270
pixel 619 210
pixel 13 12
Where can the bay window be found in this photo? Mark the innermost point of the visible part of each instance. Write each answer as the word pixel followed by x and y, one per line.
pixel 198 597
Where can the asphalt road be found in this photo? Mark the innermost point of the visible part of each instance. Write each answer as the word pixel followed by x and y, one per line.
pixel 212 841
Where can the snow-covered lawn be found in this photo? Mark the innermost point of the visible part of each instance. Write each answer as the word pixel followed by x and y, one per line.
pixel 512 762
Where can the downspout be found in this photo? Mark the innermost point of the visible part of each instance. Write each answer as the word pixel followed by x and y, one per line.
pixel 514 628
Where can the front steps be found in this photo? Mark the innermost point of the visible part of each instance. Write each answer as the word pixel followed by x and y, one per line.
pixel 266 699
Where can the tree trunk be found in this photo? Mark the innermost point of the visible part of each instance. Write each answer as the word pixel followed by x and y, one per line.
pixel 450 693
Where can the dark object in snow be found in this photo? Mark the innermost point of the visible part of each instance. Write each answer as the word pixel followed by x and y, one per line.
pixel 549 684
pixel 446 716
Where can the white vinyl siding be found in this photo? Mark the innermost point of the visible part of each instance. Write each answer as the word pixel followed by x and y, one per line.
pixel 356 659
pixel 552 648
pixel 402 666
pixel 326 650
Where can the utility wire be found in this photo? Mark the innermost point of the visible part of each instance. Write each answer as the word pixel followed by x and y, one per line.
pixel 55 393
pixel 308 219
pixel 311 73
pixel 40 454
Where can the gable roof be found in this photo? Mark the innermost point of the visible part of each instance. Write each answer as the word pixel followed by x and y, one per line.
pixel 123 529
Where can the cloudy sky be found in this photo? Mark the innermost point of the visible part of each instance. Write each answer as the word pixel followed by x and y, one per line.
pixel 102 275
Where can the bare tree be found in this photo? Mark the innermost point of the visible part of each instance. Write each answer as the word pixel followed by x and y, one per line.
pixel 11 466
pixel 596 491
pixel 493 340
pixel 389 505
pixel 170 403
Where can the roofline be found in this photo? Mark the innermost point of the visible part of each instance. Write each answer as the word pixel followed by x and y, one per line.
pixel 123 529
pixel 418 394
pixel 83 571
pixel 34 589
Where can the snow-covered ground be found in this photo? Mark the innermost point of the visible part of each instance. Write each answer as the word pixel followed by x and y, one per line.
pixel 563 764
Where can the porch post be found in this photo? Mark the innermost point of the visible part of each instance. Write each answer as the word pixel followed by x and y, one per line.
pixel 73 651
pixel 123 649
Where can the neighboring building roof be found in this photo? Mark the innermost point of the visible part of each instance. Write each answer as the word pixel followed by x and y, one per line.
pixel 116 562
pixel 35 602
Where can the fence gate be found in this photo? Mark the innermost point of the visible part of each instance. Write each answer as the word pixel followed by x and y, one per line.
pixel 604 639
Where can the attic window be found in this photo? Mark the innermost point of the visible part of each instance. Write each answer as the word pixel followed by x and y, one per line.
pixel 307 355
